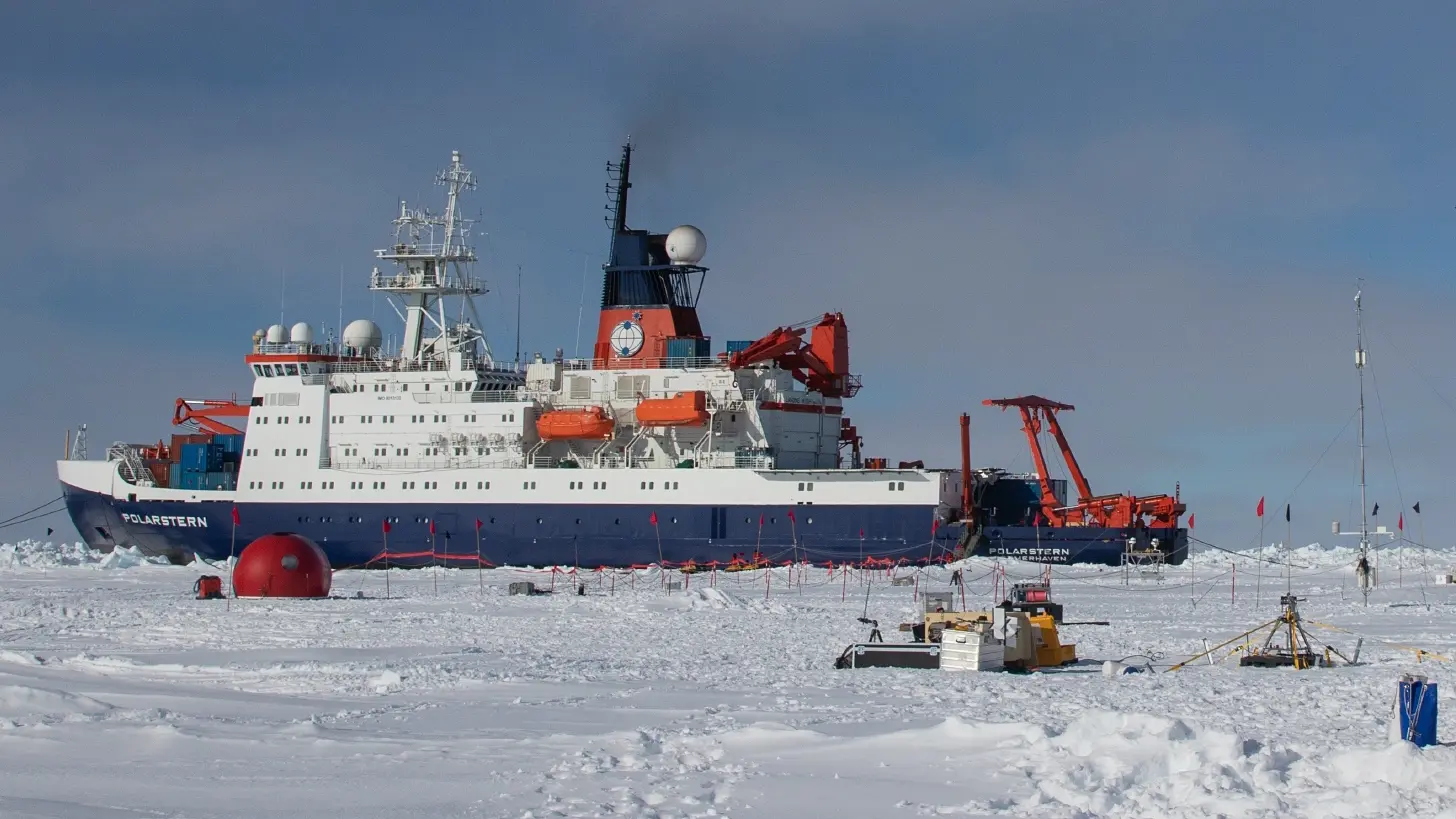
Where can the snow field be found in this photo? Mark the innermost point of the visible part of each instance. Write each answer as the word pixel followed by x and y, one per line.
pixel 122 697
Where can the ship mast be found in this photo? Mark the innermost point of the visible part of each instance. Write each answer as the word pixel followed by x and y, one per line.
pixel 428 269
pixel 1363 571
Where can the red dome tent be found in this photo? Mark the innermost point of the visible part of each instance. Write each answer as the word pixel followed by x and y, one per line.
pixel 282 565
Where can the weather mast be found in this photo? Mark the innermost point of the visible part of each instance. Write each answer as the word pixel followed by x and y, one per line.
pixel 433 262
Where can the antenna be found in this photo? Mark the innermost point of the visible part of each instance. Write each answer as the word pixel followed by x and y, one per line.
pixel 282 293
pixel 341 305
pixel 1362 570
pixel 518 315
pixel 581 305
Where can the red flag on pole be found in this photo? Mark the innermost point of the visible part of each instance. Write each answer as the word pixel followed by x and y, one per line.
pixel 861 533
pixel 653 518
pixel 1260 513
pixel 236 519
pixel 1400 523
pixel 386 526
pixel 934 526
pixel 760 520
pixel 791 515
pixel 432 526
pixel 1190 521
pixel 478 524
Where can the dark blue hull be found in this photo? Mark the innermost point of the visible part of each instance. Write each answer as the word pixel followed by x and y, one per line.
pixel 351 534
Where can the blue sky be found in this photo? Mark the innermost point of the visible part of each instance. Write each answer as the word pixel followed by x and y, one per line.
pixel 1154 211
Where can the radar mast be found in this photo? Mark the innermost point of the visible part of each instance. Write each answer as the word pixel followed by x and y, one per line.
pixel 433 261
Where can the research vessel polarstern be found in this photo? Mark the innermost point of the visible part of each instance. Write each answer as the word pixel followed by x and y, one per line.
pixel 657 448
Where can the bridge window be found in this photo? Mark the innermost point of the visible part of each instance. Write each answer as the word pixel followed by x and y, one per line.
pixel 258 369
pixel 292 369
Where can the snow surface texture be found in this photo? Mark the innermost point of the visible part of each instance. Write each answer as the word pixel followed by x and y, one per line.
pixel 121 697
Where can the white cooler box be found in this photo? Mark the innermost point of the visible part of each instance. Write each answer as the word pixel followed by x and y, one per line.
pixel 970 651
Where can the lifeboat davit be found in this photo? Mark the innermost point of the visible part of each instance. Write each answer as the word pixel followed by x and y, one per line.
pixel 683 409
pixel 562 424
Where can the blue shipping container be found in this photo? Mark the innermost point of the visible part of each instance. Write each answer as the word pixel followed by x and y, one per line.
pixel 738 346
pixel 231 444
pixel 1417 706
pixel 174 476
pixel 201 457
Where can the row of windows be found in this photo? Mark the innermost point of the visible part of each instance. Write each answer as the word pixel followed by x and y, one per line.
pixel 897 486
pixel 284 452
pixel 460 386
pixel 301 485
pixel 414 485
pixel 806 487
pixel 272 370
pixel 472 418
pixel 283 419
pixel 582 485
pixel 478 484
pixel 653 485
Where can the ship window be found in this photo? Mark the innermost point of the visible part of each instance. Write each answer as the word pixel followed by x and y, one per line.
pixel 257 369
pixel 651 485
pixel 811 486
pixel 427 388
pixel 539 521
pixel 404 388
pixel 303 368
pixel 533 484
pixel 801 486
pixel 809 520
pixel 292 369
pixel 901 486
pixel 892 486
pixel 674 484
pixel 674 520
pixel 644 484
pixel 732 416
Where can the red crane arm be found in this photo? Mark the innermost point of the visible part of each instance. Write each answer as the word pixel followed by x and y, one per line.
pixel 780 341
pixel 1084 489
pixel 1031 425
pixel 205 416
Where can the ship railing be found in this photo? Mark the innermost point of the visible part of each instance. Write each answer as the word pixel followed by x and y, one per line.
pixel 131 467
pixel 663 363
pixel 428 249
pixel 443 462
pixel 395 365
pixel 480 397
pixel 423 279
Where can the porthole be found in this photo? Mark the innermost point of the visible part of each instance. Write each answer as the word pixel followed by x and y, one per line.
pixel 539 521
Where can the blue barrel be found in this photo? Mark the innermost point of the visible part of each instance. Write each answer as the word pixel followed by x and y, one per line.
pixel 1417 706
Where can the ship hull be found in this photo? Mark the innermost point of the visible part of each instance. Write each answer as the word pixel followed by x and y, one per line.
pixel 591 535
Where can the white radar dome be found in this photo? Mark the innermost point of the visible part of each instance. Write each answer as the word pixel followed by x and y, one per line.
pixel 301 333
pixel 362 334
pixel 277 334
pixel 686 245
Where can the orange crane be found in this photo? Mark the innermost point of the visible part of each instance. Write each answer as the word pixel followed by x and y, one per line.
pixel 203 414
pixel 1111 511
pixel 821 365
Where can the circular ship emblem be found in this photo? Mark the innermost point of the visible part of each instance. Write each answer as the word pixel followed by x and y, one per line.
pixel 627 339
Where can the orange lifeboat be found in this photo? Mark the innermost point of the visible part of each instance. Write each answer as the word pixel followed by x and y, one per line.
pixel 683 409
pixel 590 422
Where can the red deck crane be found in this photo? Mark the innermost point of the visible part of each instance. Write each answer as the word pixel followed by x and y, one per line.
pixel 203 414
pixel 821 365
pixel 1112 511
